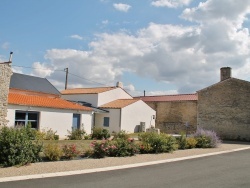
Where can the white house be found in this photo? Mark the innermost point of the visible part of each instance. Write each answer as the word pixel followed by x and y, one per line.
pixel 36 100
pixel 117 109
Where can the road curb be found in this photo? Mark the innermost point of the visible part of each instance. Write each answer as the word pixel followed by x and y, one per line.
pixel 77 172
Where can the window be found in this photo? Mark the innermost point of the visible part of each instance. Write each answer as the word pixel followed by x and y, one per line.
pixel 23 118
pixel 106 121
pixel 76 121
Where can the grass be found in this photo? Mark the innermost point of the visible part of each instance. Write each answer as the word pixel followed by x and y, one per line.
pixel 81 145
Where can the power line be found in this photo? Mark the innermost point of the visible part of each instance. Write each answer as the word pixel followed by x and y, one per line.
pixel 61 71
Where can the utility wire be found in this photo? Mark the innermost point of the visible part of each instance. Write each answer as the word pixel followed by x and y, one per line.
pixel 62 71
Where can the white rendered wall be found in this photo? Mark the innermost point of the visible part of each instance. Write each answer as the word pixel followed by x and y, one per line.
pixel 56 119
pixel 112 95
pixel 90 98
pixel 114 120
pixel 135 113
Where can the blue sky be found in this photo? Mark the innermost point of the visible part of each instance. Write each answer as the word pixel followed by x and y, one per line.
pixel 161 46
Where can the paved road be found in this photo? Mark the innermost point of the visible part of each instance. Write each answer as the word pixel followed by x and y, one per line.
pixel 227 170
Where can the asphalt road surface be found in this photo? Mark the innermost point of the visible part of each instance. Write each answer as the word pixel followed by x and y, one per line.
pixel 227 170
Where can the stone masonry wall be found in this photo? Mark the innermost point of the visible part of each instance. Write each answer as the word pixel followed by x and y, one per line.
pixel 225 108
pixel 5 74
pixel 171 117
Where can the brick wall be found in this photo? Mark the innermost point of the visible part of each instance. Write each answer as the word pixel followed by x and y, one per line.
pixel 171 117
pixel 225 108
pixel 5 74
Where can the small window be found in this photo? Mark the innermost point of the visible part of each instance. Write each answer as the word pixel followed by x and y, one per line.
pixel 106 121
pixel 23 118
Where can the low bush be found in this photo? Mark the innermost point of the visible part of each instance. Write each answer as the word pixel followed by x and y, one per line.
pixel 53 152
pixel 100 133
pixel 152 142
pixel 46 134
pixel 191 142
pixel 121 147
pixel 17 147
pixel 70 151
pixel 121 135
pixel 206 139
pixel 182 141
pixel 76 134
pixel 99 148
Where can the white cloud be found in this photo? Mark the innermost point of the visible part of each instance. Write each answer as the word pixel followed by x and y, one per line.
pixel 188 57
pixel 76 37
pixel 41 69
pixel 171 3
pixel 121 7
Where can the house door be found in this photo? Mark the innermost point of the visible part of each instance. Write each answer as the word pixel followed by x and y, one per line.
pixel 76 121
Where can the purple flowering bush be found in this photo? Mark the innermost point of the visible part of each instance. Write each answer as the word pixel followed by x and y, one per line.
pixel 206 138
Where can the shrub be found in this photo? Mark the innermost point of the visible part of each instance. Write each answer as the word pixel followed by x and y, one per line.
pixel 99 148
pixel 152 142
pixel 191 142
pixel 121 135
pixel 70 151
pixel 122 148
pixel 46 134
pixel 53 152
pixel 206 139
pixel 182 141
pixel 17 148
pixel 76 134
pixel 100 133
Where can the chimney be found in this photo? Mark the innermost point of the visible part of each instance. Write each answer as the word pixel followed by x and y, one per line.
pixel 119 84
pixel 225 73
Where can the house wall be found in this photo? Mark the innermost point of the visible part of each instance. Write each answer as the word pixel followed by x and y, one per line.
pixel 5 74
pixel 135 113
pixel 112 95
pixel 171 117
pixel 90 98
pixel 224 108
pixel 114 120
pixel 55 119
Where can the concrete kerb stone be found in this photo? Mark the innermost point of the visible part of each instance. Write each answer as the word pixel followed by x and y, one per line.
pixel 77 172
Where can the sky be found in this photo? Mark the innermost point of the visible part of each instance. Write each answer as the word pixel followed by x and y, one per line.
pixel 160 46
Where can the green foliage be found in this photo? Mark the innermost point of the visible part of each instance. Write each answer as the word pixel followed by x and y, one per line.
pixel 99 149
pixel 182 141
pixel 100 133
pixel 206 139
pixel 17 147
pixel 152 142
pixel 53 152
pixel 191 142
pixel 122 148
pixel 116 148
pixel 76 134
pixel 121 135
pixel 70 151
pixel 46 134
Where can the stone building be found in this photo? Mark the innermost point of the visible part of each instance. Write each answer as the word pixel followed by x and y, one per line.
pixel 5 74
pixel 225 107
pixel 174 113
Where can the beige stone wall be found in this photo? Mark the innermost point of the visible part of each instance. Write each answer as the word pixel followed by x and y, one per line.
pixel 5 74
pixel 225 108
pixel 171 117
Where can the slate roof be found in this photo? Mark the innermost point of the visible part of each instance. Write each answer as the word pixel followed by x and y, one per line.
pixel 120 103
pixel 32 83
pixel 162 98
pixel 43 101
pixel 87 90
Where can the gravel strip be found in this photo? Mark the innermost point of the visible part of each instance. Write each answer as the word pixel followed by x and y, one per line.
pixel 61 166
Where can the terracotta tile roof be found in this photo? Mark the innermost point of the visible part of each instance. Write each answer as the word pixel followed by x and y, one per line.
pixel 178 97
pixel 86 90
pixel 43 101
pixel 120 103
